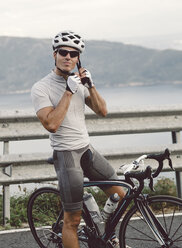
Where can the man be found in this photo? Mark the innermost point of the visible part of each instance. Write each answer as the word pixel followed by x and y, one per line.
pixel 59 100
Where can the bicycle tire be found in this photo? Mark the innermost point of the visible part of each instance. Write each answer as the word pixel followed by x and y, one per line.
pixel 134 231
pixel 43 209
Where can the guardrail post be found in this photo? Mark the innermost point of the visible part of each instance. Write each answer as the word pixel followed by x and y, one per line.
pixel 6 191
pixel 176 139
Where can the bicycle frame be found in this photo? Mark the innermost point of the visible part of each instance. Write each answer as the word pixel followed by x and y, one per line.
pixel 141 202
pixel 90 231
pixel 124 203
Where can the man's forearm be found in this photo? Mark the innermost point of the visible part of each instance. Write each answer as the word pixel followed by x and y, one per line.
pixel 98 104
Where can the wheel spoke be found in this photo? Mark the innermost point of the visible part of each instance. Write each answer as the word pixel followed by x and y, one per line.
pixel 176 230
pixel 150 238
pixel 162 208
pixel 168 211
pixel 45 218
pixel 171 221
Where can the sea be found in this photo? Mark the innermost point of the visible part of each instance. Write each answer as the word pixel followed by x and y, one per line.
pixel 116 97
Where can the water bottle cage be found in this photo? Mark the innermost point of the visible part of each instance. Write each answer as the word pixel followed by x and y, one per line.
pixel 107 222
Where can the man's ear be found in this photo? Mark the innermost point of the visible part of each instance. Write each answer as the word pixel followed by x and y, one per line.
pixel 54 54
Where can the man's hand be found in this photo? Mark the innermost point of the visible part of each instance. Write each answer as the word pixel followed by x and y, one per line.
pixel 86 78
pixel 72 83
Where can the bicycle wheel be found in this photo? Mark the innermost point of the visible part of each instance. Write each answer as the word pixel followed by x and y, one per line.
pixel 135 232
pixel 45 218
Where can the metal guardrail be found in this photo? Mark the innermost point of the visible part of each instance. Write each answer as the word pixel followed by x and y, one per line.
pixel 19 125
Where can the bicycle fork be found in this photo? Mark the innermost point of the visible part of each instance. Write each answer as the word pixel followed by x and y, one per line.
pixel 153 223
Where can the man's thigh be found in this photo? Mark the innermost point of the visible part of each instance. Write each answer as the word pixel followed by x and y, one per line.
pixel 96 167
pixel 70 177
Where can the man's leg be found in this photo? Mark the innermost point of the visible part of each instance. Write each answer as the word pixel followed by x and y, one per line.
pixel 70 176
pixel 100 169
pixel 71 222
pixel 96 167
pixel 115 189
pixel 121 193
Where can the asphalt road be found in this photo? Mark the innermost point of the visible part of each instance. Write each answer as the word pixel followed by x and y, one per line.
pixel 17 240
pixel 24 239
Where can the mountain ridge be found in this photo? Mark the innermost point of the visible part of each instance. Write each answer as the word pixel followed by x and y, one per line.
pixel 26 60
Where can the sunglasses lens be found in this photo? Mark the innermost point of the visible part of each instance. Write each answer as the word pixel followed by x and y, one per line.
pixel 64 53
pixel 74 54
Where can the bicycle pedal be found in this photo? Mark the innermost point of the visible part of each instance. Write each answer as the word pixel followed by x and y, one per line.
pixel 111 244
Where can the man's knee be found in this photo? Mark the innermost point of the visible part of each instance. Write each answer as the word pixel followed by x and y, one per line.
pixel 72 219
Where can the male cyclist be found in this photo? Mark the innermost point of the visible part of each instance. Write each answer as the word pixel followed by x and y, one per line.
pixel 59 100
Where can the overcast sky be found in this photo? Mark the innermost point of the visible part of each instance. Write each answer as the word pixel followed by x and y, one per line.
pixel 93 19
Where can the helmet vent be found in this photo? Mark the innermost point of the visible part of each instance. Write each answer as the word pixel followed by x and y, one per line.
pixel 63 34
pixel 78 36
pixel 56 41
pixel 76 41
pixel 71 37
pixel 64 39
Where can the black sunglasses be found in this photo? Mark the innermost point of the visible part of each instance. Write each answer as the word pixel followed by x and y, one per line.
pixel 64 53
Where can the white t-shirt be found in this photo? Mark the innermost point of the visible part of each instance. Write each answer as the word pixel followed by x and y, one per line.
pixel 72 134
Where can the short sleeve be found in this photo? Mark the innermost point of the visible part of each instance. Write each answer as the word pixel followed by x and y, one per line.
pixel 40 97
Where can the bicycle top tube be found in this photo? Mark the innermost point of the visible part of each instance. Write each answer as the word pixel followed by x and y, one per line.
pixel 118 182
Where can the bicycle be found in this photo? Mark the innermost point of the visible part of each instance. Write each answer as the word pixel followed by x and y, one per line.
pixel 152 221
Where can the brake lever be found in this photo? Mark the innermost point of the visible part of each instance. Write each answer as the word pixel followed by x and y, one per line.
pixel 150 177
pixel 128 180
pixel 151 184
pixel 167 153
pixel 170 164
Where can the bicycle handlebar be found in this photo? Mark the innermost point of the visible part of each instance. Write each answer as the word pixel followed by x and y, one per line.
pixel 147 173
pixel 160 158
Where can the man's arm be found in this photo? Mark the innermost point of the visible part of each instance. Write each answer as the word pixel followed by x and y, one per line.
pixel 96 102
pixel 51 118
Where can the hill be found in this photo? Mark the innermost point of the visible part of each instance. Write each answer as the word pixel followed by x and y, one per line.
pixel 26 60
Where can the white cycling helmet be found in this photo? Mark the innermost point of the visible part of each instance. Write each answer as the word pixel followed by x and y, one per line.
pixel 68 38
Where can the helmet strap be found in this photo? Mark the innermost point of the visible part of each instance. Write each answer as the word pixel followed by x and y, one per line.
pixel 79 64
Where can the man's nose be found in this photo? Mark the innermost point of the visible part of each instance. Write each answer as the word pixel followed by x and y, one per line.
pixel 68 56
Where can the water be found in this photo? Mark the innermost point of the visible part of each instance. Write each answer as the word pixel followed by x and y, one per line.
pixel 115 98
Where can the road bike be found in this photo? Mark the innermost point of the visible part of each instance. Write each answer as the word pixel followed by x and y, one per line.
pixel 144 220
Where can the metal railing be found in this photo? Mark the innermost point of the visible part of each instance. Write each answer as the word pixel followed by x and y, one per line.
pixel 19 125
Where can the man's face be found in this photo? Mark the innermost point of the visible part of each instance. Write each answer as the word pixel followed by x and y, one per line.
pixel 64 60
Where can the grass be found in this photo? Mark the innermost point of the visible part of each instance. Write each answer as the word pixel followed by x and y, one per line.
pixel 18 217
pixel 18 212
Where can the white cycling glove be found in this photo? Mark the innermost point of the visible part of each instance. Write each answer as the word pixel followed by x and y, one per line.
pixel 87 80
pixel 72 83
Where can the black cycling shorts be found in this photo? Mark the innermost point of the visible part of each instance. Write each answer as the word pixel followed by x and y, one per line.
pixel 72 166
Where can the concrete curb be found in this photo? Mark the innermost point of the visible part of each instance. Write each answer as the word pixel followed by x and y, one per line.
pixel 14 231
